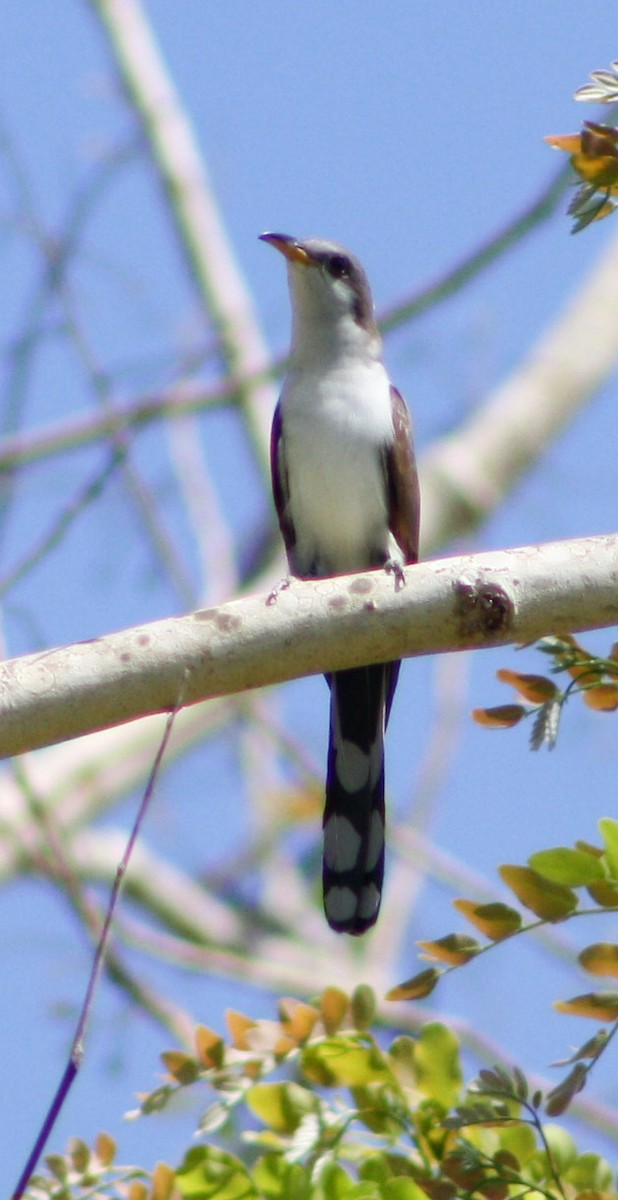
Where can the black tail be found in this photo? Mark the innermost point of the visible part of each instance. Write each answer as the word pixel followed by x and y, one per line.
pixel 353 863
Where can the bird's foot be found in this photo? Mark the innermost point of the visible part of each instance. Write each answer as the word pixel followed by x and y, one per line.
pixel 280 586
pixel 393 566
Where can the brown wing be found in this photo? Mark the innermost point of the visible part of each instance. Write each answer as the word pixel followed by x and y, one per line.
pixel 279 480
pixel 404 506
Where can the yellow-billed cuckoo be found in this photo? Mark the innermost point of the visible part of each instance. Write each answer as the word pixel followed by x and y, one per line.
pixel 346 493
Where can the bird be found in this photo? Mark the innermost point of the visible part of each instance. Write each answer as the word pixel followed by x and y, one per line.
pixel 346 492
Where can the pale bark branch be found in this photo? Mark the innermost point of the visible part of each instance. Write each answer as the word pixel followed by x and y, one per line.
pixel 88 428
pixel 453 604
pixel 199 224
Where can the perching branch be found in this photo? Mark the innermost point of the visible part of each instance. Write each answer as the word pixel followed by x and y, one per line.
pixel 478 260
pixel 453 604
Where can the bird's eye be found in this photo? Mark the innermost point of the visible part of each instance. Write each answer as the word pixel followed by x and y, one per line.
pixel 339 266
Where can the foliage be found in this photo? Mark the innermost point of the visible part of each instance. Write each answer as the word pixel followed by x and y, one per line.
pixel 594 154
pixel 548 887
pixel 594 679
pixel 328 1112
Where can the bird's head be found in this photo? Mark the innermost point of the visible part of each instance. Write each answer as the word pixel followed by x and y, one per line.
pixel 331 298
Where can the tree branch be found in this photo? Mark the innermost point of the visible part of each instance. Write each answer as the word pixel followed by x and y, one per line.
pixel 203 238
pixel 472 264
pixel 321 625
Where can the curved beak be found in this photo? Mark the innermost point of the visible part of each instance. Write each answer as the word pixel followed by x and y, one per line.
pixel 290 247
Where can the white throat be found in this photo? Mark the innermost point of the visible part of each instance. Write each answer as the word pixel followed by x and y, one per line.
pixel 325 329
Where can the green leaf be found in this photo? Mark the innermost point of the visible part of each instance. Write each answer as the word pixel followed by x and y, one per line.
pixel 402 1188
pixel 496 1081
pixel 58 1165
pixel 182 1066
pixel 496 920
pixel 481 1113
pixel 520 1141
pixel 281 1106
pixel 550 901
pixel 401 1051
pixel 573 868
pixel 377 1168
pixel 454 949
pixel 609 832
pixel 379 1109
pixel 559 1099
pixel 348 1061
pixel 364 1006
pixel 590 1173
pixel 335 1183
pixel 418 987
pixel 211 1174
pixel 436 1060
pixel 215 1116
pixel 601 1006
pixel 278 1179
pixel 79 1153
pixel 562 1145
pixel 590 1049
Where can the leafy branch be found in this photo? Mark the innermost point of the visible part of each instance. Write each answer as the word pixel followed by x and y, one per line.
pixel 594 154
pixel 327 1111
pixel 594 678
pixel 547 887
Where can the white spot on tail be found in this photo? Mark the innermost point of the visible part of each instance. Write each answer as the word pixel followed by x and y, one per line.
pixel 340 904
pixel 341 844
pixel 369 902
pixel 352 766
pixel 376 841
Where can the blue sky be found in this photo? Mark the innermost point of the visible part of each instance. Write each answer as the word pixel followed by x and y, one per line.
pixel 410 132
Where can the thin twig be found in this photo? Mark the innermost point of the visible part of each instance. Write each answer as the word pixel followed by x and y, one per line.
pixel 62 523
pixel 467 474
pixel 184 398
pixel 78 1044
pixel 459 276
pixel 212 534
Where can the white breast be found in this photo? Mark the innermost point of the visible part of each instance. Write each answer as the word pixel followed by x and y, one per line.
pixel 335 427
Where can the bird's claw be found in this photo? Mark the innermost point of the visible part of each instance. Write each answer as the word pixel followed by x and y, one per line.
pixel 393 566
pixel 280 586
